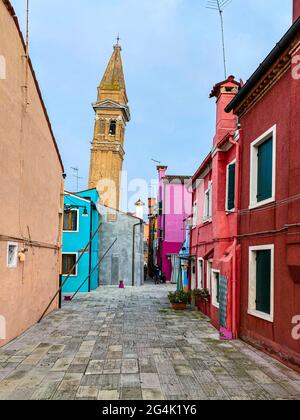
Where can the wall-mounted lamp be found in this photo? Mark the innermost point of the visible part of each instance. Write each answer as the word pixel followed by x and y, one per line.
pixel 69 208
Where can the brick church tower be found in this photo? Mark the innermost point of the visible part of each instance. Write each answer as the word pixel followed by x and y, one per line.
pixel 112 115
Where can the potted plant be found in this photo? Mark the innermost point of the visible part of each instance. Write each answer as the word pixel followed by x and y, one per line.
pixel 202 300
pixel 179 300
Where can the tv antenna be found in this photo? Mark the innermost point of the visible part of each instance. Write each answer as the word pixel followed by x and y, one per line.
pixel 156 161
pixel 219 6
pixel 76 176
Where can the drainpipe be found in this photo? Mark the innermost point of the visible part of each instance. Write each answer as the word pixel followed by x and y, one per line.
pixel 60 291
pixel 133 249
pixel 91 246
pixel 237 206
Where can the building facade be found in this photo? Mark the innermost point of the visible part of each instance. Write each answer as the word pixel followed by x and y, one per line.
pixel 111 116
pixel 80 256
pixel 152 241
pixel 31 169
pixel 174 204
pixel 121 249
pixel 214 249
pixel 268 108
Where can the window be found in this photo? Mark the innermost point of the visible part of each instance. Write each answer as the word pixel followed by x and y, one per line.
pixel 216 288
pixel 200 274
pixel 193 275
pixel 261 282
pixel 160 208
pixel 263 169
pixel 230 195
pixel 71 220
pixel 208 203
pixel 68 263
pixel 113 128
pixel 208 275
pixel 195 214
pixel 12 255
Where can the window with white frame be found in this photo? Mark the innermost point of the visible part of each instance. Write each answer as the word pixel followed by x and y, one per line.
pixel 200 273
pixel 208 275
pixel 216 288
pixel 71 220
pixel 12 255
pixel 208 202
pixel 261 282
pixel 195 214
pixel 263 169
pixel 69 266
pixel 230 189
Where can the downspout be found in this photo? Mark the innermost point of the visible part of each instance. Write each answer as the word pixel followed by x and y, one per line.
pixel 133 250
pixel 235 243
pixel 91 246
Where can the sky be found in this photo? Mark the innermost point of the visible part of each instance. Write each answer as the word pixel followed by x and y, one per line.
pixel 172 57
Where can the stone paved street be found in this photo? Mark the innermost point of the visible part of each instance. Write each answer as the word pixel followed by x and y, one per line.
pixel 127 344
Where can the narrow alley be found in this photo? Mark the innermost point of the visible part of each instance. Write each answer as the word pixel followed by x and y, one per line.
pixel 128 344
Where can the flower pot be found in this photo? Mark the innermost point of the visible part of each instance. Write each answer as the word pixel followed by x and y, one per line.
pixel 179 306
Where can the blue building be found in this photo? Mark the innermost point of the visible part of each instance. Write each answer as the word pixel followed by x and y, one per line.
pixel 81 221
pixel 184 258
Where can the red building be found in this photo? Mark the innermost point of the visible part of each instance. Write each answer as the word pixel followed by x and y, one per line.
pixel 214 247
pixel 268 108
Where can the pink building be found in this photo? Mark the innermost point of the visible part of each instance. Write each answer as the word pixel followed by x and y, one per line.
pixel 175 203
pixel 31 191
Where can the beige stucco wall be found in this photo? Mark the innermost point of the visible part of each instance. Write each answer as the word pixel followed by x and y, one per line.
pixel 31 187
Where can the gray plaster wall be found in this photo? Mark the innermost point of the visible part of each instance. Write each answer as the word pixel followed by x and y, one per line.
pixel 118 263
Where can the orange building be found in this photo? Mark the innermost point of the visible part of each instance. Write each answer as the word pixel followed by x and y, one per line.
pixel 31 191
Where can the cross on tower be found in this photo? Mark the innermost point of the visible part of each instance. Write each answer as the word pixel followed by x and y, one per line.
pixel 118 39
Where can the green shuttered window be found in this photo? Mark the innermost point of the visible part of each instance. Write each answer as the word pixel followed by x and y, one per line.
pixel 263 281
pixel 265 170
pixel 231 187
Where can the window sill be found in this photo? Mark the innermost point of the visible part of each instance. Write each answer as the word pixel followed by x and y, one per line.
pixel 71 275
pixel 207 221
pixel 261 315
pixel 229 212
pixel 261 203
pixel 216 305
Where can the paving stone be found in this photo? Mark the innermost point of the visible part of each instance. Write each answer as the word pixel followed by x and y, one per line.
pixel 150 381
pixel 62 365
pixel 131 394
pixel 130 345
pixel 130 366
pixel 112 395
pixel 87 392
pixel 152 395
pixel 130 381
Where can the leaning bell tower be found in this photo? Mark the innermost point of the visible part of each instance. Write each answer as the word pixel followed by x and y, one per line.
pixel 112 115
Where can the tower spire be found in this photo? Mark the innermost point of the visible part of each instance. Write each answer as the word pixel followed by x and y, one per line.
pixel 112 115
pixel 113 80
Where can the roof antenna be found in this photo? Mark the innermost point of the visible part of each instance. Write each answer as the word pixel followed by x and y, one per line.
pixel 76 176
pixel 219 6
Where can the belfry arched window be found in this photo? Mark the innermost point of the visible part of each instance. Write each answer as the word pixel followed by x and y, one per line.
pixel 113 128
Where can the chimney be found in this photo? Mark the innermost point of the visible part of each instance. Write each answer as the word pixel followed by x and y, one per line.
pixel 296 10
pixel 161 171
pixel 224 92
pixel 139 209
